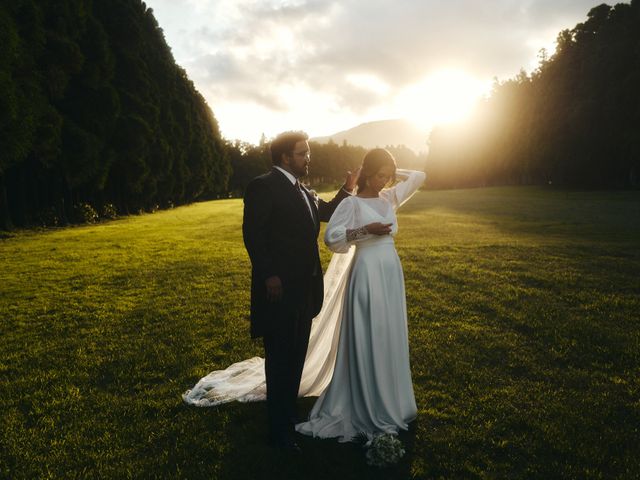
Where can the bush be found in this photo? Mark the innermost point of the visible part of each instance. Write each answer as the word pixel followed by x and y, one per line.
pixel 49 217
pixel 85 213
pixel 109 211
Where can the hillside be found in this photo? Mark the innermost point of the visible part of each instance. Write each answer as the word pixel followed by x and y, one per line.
pixel 380 134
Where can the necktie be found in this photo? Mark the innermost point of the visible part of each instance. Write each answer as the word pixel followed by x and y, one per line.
pixel 305 199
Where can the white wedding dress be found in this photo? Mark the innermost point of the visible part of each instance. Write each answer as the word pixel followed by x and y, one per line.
pixel 371 390
pixel 358 356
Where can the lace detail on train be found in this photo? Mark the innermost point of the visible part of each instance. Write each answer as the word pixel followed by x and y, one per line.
pixel 245 381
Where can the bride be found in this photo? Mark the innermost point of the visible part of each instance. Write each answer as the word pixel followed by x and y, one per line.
pixel 358 356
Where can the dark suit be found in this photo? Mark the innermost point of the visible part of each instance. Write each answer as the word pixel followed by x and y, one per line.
pixel 280 234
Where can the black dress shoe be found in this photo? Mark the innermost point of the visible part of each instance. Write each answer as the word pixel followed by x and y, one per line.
pixel 285 445
pixel 293 447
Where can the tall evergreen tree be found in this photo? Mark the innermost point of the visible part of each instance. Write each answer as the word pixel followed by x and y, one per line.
pixel 95 110
pixel 574 121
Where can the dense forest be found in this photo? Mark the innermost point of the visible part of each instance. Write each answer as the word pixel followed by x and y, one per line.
pixel 96 118
pixel 574 121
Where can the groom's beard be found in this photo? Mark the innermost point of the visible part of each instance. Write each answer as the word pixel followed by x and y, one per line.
pixel 299 168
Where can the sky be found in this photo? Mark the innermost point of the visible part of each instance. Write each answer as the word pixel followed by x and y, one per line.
pixel 266 66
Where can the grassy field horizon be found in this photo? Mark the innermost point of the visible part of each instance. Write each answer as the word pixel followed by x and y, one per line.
pixel 524 329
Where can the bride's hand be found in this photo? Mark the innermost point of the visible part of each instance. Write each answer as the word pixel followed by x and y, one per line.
pixel 378 228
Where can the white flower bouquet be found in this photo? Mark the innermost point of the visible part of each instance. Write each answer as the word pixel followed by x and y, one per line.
pixel 384 450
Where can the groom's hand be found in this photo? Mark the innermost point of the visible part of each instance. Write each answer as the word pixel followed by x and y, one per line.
pixel 352 180
pixel 274 288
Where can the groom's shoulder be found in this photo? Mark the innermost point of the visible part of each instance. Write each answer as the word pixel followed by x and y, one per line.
pixel 266 177
pixel 270 178
pixel 262 183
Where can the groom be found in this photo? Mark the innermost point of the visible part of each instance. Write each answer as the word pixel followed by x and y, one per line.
pixel 280 229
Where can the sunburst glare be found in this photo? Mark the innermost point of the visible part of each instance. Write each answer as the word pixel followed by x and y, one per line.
pixel 442 97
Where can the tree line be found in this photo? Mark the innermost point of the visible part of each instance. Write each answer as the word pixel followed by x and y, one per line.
pixel 329 162
pixel 97 120
pixel 96 117
pixel 574 121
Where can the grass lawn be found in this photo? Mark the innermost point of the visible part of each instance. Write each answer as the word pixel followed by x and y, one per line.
pixel 524 320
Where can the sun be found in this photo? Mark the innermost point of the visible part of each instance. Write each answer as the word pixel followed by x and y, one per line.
pixel 445 96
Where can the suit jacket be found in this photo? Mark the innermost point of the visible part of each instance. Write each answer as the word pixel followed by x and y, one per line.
pixel 281 238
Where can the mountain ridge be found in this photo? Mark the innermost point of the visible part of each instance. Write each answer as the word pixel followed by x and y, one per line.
pixel 381 133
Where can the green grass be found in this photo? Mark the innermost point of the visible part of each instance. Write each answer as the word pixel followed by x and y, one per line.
pixel 524 328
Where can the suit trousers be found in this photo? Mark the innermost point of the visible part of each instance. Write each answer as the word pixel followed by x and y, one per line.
pixel 286 340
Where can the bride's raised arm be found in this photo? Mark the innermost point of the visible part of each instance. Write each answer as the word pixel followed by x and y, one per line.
pixel 410 182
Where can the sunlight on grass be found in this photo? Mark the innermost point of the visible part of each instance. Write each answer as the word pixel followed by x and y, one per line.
pixel 523 318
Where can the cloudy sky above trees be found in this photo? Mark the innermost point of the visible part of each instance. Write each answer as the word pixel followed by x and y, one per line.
pixel 323 66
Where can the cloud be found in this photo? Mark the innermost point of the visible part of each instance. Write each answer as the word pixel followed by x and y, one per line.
pixel 260 50
pixel 227 77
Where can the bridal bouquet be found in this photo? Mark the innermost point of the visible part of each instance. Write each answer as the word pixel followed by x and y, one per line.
pixel 384 450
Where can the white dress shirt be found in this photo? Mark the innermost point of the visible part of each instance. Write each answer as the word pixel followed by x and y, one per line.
pixel 293 181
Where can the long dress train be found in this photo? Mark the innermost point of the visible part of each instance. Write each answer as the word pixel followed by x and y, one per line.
pixel 245 381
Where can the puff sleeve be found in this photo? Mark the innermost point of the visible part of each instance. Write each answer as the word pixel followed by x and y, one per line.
pixel 346 217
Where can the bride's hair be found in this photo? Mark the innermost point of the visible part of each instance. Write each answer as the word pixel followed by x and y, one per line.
pixel 372 162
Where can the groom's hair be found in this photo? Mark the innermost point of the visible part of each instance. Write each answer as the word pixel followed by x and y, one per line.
pixel 284 144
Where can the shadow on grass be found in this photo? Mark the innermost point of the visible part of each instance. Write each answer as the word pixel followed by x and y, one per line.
pixel 246 454
pixel 536 210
